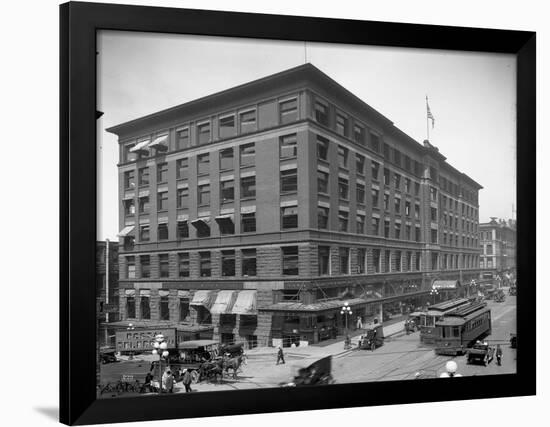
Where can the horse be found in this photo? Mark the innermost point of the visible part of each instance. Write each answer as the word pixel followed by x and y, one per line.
pixel 233 363
pixel 212 368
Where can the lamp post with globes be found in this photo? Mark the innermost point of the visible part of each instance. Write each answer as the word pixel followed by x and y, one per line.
pixel 130 328
pixel 434 292
pixel 346 311
pixel 160 348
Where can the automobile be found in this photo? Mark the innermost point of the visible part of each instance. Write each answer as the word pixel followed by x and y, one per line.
pixel 373 337
pixel 318 373
pixel 512 291
pixel 107 355
pixel 481 352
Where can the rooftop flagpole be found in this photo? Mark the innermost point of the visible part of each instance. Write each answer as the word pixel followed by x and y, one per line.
pixel 427 120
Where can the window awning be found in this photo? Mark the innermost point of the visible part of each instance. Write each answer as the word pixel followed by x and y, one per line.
pixel 164 292
pixel 183 294
pixel 130 292
pixel 183 218
pixel 144 293
pixel 245 303
pixel 203 298
pixel 445 284
pixel 222 218
pixel 223 302
pixel 160 143
pixel 292 210
pixel 140 146
pixel 125 231
pixel 201 222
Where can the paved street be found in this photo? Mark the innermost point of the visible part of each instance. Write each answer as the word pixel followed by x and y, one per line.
pixel 401 357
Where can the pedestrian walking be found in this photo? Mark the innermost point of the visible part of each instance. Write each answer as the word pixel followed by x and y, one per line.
pixel 187 381
pixel 168 381
pixel 499 355
pixel 280 356
pixel 359 322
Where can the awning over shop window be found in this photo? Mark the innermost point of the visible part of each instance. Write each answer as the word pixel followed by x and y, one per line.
pixel 130 292
pixel 445 284
pixel 245 303
pixel 144 293
pixel 183 294
pixel 203 298
pixel 125 231
pixel 223 302
pixel 163 293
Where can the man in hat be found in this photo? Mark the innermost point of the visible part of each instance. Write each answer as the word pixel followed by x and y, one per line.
pixel 187 380
pixel 280 356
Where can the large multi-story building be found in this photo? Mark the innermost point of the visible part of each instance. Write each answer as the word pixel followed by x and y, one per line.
pixel 498 246
pixel 257 212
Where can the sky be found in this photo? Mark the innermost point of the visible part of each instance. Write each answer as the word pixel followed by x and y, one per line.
pixel 471 96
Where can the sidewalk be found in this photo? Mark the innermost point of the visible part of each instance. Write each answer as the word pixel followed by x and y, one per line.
pixel 334 347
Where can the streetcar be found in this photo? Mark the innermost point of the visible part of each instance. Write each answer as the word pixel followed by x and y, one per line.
pixel 435 312
pixel 461 328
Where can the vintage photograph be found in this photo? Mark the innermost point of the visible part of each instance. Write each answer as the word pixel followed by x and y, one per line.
pixel 292 214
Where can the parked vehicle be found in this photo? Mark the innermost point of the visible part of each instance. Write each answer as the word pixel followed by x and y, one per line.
pixel 372 338
pixel 512 291
pixel 459 329
pixel 107 355
pixel 191 355
pixel 481 352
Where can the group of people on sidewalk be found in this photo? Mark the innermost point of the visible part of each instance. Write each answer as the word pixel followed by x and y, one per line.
pixel 168 382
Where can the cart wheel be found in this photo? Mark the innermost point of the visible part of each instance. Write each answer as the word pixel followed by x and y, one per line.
pixel 373 346
pixel 195 377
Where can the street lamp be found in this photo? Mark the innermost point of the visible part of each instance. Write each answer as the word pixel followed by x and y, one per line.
pixel 130 328
pixel 434 292
pixel 346 311
pixel 451 368
pixel 160 348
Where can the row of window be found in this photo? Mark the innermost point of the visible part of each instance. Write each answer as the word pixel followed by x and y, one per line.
pixel 229 125
pixel 402 261
pixel 357 132
pixel 382 261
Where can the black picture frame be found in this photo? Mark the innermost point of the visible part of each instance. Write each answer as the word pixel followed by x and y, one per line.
pixel 78 25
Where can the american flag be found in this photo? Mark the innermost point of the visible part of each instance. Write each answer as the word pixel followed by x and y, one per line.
pixel 430 115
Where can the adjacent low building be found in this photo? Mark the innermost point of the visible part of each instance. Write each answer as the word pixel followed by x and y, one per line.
pixel 107 303
pixel 257 212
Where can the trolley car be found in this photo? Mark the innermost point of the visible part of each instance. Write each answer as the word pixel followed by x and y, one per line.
pixel 461 328
pixel 429 318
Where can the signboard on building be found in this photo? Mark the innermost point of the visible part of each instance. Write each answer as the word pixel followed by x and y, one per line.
pixel 138 340
pixel 110 308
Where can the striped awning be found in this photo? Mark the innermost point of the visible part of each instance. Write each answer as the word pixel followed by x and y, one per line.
pixel 223 302
pixel 245 303
pixel 125 231
pixel 203 298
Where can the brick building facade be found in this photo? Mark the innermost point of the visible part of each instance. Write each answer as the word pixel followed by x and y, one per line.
pixel 107 302
pixel 261 209
pixel 498 248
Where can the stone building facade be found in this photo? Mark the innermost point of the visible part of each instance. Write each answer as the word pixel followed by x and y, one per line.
pixel 498 249
pixel 262 209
